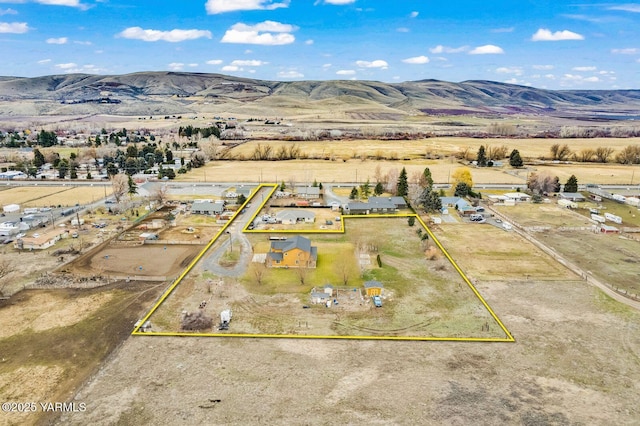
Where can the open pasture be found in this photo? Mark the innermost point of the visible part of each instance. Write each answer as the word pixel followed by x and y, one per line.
pixel 72 196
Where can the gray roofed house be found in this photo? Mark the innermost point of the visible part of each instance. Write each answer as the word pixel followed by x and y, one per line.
pixel 572 196
pixel 399 202
pixel 380 205
pixel 207 208
pixel 293 216
pixel 307 191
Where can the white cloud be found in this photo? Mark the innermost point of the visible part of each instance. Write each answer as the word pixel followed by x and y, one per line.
pixel 627 51
pixel 326 66
pixel 403 30
pixel 378 63
pixel 416 60
pixel 516 81
pixel 445 49
pixel 14 27
pixel 8 12
pixel 577 78
pixel 583 69
pixel 44 61
pixel 290 74
pixel 265 33
pixel 345 72
pixel 220 6
pixel 487 49
pixel 308 42
pixel 83 43
pixel 67 66
pixel 509 70
pixel 338 2
pixel 248 63
pixel 176 66
pixel 544 34
pixel 543 67
pixel 60 40
pixel 228 68
pixel 173 36
pixel 634 8
pixel 214 62
pixel 70 3
pixel 550 76
pixel 414 14
pixel 193 65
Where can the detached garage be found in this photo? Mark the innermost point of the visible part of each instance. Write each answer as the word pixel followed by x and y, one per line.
pixel 373 288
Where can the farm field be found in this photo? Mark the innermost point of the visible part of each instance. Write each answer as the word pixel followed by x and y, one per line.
pixel 546 214
pixel 417 149
pixel 72 196
pixel 489 253
pixel 23 194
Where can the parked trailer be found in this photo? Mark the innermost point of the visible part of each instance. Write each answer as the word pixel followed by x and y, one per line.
pixel 225 319
pixel 67 212
pixel 613 218
pixel 598 218
pixel 568 204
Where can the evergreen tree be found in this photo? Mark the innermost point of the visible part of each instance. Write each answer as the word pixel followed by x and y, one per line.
pixel 365 189
pixel 428 179
pixel 430 200
pixel 354 193
pixel 133 188
pixel 241 199
pixel 462 189
pixel 572 184
pixel 515 160
pixel 379 189
pixel 482 157
pixel 38 158
pixel 402 190
pixel 169 155
pixel 63 168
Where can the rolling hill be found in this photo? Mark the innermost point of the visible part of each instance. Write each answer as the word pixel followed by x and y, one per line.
pixel 178 92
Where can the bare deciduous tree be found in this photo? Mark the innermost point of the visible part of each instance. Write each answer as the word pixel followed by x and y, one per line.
pixel 560 152
pixel 120 185
pixel 603 153
pixel 159 194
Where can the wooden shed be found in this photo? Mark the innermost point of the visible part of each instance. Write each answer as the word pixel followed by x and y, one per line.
pixel 373 288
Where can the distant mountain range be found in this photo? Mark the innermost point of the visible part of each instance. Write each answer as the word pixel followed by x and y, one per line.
pixel 177 92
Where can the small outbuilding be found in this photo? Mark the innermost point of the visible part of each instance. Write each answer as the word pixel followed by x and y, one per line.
pixel 373 288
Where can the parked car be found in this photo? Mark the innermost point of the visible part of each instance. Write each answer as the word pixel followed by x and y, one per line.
pixel 377 301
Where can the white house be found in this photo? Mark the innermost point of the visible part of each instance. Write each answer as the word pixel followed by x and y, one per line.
pixel 291 217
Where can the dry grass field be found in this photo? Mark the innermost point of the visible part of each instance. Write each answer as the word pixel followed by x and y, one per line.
pixel 443 146
pixel 28 194
pixel 71 196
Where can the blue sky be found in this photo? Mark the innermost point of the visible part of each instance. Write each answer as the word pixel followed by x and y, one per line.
pixel 548 44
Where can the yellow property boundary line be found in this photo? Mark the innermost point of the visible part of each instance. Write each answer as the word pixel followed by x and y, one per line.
pixel 137 332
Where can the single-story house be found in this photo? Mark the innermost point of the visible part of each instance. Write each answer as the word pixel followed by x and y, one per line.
pixel 291 217
pixel 382 205
pixel 373 288
pixel 41 241
pixel 449 201
pixel 517 196
pixel 307 191
pixel 296 252
pixel 13 174
pixel 464 208
pixel 399 202
pixel 572 196
pixel 207 208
